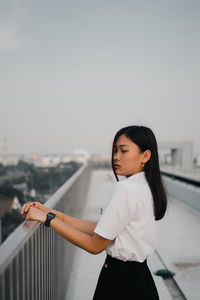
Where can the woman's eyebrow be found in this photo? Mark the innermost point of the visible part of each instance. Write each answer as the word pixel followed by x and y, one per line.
pixel 123 145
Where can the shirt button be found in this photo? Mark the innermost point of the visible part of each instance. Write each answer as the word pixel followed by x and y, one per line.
pixel 105 265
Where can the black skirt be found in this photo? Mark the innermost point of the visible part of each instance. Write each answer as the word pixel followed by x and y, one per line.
pixel 130 280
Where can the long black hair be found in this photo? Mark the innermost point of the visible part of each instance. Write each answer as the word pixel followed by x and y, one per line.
pixel 145 139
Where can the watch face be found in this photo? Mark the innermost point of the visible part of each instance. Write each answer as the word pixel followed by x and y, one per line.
pixel 51 214
pixel 49 217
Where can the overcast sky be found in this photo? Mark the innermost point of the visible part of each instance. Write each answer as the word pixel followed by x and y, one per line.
pixel 74 72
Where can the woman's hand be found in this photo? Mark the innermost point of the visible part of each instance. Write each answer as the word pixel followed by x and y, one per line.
pixel 36 214
pixel 38 205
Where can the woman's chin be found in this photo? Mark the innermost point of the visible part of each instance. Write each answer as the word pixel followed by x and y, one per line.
pixel 118 172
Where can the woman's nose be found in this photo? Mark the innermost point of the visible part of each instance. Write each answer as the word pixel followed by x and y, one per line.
pixel 116 156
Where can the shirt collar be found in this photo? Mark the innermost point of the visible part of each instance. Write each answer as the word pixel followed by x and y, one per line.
pixel 138 177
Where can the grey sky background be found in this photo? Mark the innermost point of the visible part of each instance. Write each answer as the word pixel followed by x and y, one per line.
pixel 74 72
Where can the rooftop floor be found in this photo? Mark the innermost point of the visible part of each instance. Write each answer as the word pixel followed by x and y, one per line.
pixel 178 246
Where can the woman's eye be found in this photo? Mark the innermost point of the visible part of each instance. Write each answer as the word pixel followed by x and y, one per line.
pixel 124 151
pixel 114 150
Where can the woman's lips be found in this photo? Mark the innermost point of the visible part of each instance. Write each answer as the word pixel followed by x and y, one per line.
pixel 117 166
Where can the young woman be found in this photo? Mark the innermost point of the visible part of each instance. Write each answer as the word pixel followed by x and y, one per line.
pixel 126 229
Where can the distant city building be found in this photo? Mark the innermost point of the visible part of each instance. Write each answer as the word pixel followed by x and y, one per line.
pixel 10 160
pixel 101 158
pixel 47 160
pixel 101 161
pixel 181 153
pixel 81 155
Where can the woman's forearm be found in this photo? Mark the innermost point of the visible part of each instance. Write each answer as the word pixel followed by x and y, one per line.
pixel 91 243
pixel 82 225
pixel 73 235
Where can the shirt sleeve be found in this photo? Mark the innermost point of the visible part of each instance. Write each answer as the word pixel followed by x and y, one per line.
pixel 116 215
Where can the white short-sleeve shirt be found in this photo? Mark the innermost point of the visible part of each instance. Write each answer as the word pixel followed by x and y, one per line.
pixel 129 220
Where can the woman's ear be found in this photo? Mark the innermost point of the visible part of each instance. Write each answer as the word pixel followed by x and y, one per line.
pixel 147 155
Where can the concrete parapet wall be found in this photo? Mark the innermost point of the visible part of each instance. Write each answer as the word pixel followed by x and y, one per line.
pixel 182 191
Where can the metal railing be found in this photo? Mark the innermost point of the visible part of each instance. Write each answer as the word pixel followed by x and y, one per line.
pixel 35 261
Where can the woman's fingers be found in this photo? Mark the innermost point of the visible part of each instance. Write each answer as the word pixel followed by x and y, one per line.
pixel 35 214
pixel 26 207
pixel 23 208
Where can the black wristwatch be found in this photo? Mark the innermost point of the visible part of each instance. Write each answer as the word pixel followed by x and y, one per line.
pixel 50 216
